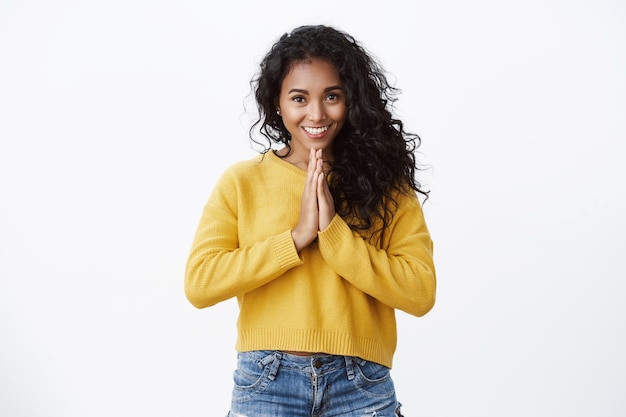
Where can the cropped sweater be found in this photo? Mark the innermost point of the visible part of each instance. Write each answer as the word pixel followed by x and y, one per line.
pixel 337 296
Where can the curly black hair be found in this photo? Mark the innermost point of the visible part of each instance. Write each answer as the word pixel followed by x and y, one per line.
pixel 374 157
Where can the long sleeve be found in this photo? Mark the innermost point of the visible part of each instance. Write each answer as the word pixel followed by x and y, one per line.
pixel 219 266
pixel 402 274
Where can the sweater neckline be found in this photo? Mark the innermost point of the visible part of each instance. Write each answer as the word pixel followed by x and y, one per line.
pixel 284 164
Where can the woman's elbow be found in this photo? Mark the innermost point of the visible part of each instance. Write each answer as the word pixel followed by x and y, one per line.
pixel 195 297
pixel 195 291
pixel 426 305
pixel 426 295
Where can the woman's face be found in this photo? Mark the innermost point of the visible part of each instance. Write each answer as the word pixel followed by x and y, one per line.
pixel 312 103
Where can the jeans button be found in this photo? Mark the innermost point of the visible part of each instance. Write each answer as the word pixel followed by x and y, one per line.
pixel 317 363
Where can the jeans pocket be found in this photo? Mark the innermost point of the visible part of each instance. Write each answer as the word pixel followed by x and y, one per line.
pixel 252 374
pixel 373 378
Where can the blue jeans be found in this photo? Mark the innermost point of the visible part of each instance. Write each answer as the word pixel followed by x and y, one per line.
pixel 277 384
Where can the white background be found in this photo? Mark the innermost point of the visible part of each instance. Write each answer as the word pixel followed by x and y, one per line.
pixel 117 117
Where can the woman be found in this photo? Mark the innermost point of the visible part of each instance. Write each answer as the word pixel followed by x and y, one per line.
pixel 321 239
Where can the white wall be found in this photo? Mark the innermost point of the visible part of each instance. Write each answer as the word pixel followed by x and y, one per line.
pixel 117 117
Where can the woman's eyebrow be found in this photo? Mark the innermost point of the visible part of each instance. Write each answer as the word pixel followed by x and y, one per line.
pixel 327 89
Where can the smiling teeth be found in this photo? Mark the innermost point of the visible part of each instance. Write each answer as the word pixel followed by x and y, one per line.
pixel 316 130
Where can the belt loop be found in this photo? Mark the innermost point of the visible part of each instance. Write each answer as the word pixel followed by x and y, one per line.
pixel 267 360
pixel 273 359
pixel 275 365
pixel 349 367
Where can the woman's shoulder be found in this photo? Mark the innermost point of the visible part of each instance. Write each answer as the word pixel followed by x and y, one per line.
pixel 238 174
pixel 267 163
pixel 250 165
pixel 245 165
pixel 406 199
pixel 252 168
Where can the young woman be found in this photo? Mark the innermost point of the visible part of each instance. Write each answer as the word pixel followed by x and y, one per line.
pixel 321 239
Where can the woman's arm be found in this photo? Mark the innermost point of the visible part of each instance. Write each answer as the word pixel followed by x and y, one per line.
pixel 402 275
pixel 218 268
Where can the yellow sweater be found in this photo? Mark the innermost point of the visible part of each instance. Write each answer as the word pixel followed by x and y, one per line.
pixel 337 296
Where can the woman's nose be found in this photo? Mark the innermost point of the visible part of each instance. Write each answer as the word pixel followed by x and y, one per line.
pixel 316 112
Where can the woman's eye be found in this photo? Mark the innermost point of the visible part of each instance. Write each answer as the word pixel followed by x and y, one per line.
pixel 333 97
pixel 298 99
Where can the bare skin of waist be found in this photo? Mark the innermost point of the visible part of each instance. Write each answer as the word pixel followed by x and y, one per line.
pixel 296 353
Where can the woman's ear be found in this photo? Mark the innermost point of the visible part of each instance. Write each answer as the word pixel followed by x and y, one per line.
pixel 277 106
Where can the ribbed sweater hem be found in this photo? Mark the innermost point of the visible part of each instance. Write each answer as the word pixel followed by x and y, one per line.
pixel 313 340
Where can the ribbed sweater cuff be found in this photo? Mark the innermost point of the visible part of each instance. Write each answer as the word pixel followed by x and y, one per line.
pixel 285 251
pixel 335 233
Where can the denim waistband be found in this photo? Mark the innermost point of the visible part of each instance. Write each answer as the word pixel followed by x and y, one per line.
pixel 317 363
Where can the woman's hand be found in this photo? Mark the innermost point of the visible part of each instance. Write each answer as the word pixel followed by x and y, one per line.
pixel 305 231
pixel 324 197
pixel 317 208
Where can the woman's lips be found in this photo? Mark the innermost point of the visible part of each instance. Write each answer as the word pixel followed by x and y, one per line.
pixel 316 131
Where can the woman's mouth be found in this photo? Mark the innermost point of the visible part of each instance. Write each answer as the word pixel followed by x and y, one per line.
pixel 316 131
